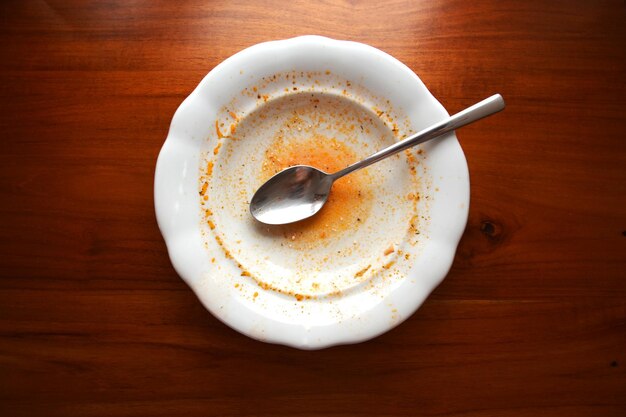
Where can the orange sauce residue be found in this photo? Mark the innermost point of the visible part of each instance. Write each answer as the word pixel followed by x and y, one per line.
pixel 349 202
pixel 362 271
pixel 217 130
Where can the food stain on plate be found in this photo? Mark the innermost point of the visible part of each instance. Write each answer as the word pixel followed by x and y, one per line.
pixel 374 220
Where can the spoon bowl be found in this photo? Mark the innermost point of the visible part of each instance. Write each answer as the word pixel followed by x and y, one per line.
pixel 293 194
pixel 300 191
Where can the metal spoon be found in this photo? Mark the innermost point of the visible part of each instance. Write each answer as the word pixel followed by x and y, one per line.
pixel 300 191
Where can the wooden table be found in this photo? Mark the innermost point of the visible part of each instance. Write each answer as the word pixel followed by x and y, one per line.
pixel 94 321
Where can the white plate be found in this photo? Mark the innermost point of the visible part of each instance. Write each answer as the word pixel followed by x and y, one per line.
pixel 367 262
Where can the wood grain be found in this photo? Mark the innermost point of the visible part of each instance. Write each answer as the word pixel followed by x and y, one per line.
pixel 94 321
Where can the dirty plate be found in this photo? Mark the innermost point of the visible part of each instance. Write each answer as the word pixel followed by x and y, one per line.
pixel 364 264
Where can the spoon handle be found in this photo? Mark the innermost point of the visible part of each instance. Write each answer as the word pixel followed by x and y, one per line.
pixel 485 108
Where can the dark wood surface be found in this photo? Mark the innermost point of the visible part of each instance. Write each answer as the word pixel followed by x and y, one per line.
pixel 94 321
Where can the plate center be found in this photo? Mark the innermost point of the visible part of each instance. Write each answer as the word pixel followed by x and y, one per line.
pixel 368 211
